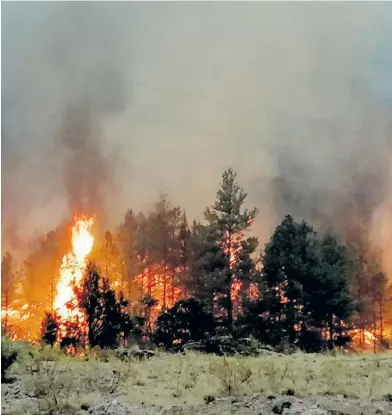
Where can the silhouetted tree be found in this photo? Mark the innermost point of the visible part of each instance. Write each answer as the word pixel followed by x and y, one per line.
pixel 306 284
pixel 184 322
pixel 49 329
pixel 107 315
pixel 330 302
pixel 8 356
pixel 148 303
pixel 208 264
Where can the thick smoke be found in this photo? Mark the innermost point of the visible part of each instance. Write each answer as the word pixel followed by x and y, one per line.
pixel 63 67
pixel 290 94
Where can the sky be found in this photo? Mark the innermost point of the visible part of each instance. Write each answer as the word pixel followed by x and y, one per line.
pixel 297 97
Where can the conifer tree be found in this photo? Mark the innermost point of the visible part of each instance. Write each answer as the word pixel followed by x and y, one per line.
pixel 165 245
pixel 49 328
pixel 306 280
pixel 185 321
pixel 107 315
pixel 330 302
pixel 131 253
pixel 227 223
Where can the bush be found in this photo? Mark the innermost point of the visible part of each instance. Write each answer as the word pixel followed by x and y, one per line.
pixel 311 341
pixel 183 323
pixel 8 356
pixel 49 328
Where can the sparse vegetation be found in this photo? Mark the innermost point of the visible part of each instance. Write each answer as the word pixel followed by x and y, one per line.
pixel 165 380
pixel 8 357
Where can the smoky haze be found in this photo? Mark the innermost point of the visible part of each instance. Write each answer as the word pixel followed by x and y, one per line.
pixel 170 94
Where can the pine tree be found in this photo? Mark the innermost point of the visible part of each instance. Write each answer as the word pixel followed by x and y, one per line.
pixel 227 223
pixel 165 250
pixel 185 321
pixel 289 262
pixel 40 275
pixel 131 253
pixel 208 265
pixel 363 265
pixel 378 288
pixel 330 302
pixel 306 281
pixel 108 260
pixel 184 254
pixel 107 316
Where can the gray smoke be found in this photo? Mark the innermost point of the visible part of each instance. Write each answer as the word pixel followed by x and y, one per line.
pixel 289 94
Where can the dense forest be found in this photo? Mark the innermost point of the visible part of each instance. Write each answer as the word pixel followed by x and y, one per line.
pixel 161 279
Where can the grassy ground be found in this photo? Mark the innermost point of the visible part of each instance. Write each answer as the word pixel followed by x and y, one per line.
pixel 68 384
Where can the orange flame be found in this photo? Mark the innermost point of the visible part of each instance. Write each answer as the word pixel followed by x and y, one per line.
pixel 72 269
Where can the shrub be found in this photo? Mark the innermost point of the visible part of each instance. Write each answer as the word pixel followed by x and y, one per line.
pixel 49 329
pixel 8 356
pixel 311 341
pixel 231 374
pixel 185 322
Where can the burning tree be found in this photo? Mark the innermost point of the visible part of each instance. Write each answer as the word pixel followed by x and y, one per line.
pixel 154 255
pixel 8 286
pixel 86 309
pixel 72 321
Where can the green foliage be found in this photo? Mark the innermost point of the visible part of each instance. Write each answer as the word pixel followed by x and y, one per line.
pixel 223 253
pixel 107 315
pixel 9 355
pixel 208 265
pixel 306 285
pixel 184 322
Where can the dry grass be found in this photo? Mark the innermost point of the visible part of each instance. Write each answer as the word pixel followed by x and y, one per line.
pixel 168 380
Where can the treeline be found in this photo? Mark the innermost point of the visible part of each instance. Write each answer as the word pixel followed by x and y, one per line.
pixel 181 281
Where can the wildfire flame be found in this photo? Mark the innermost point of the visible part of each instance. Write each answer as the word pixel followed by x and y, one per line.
pixel 72 268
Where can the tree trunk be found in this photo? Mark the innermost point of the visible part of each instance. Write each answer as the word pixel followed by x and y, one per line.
pixel 330 323
pixel 229 283
pixel 164 283
pixel 142 283
pixel 172 289
pixel 230 311
pixel 6 312
pixel 381 317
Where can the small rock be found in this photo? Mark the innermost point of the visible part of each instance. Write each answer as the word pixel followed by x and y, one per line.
pixel 278 409
pixel 283 403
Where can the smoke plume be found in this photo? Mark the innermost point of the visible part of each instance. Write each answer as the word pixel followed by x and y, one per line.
pixel 294 96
